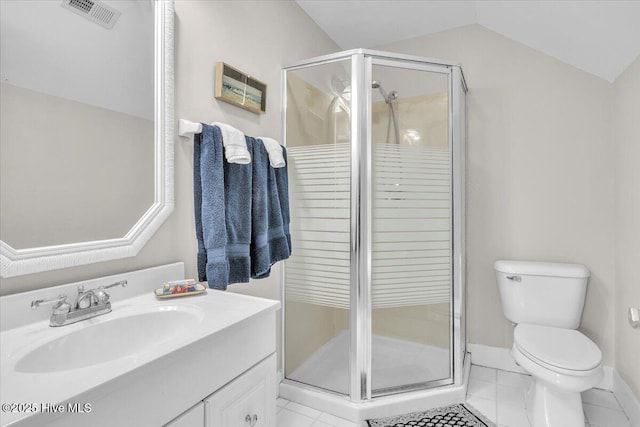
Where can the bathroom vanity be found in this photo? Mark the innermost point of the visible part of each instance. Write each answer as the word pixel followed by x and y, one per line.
pixel 202 360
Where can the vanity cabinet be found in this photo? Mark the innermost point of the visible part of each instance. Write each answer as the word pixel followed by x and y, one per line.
pixel 247 401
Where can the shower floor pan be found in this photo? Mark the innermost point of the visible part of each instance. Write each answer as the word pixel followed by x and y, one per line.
pixel 395 362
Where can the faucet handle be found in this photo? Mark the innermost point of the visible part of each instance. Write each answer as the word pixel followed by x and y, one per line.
pixel 122 283
pixel 102 296
pixel 63 307
pixel 38 302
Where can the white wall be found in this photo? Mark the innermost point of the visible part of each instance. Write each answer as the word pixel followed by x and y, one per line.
pixel 540 172
pixel 626 113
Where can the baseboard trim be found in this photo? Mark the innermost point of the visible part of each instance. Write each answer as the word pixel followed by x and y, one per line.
pixel 500 358
pixel 628 401
pixel 493 357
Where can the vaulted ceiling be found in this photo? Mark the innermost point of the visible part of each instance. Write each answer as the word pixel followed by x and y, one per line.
pixel 599 37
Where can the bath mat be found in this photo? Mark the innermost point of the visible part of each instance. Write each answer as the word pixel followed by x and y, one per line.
pixel 459 415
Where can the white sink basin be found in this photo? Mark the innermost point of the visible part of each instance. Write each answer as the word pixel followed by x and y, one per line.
pixel 109 339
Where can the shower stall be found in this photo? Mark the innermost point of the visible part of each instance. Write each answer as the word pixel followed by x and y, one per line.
pixel 374 293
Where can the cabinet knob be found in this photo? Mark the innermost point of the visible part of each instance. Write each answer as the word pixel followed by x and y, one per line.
pixel 251 419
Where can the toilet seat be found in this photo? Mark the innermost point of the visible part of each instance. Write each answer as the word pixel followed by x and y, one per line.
pixel 565 351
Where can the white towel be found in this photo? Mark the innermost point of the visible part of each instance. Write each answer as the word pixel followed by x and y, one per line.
pixel 274 149
pixel 235 144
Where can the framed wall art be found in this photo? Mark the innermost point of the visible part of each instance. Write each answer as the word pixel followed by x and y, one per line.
pixel 240 89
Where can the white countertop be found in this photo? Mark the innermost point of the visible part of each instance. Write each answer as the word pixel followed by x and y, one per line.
pixel 216 310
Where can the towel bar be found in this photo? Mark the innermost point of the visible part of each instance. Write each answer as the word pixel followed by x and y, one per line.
pixel 187 128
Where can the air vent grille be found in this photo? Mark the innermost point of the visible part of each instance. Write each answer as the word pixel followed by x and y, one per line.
pixel 83 5
pixel 95 11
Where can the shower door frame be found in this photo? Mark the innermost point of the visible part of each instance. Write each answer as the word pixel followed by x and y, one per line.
pixel 360 309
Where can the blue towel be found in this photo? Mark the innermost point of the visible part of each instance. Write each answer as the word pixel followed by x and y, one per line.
pixel 270 239
pixel 208 183
pixel 282 181
pixel 222 197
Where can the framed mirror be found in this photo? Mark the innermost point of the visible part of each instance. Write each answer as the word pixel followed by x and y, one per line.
pixel 86 132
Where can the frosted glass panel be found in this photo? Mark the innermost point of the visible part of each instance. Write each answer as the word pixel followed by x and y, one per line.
pixel 319 272
pixel 411 228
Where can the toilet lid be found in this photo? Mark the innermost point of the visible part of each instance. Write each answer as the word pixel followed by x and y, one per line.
pixel 563 348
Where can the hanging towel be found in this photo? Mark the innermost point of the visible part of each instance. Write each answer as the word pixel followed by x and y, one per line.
pixel 282 182
pixel 208 185
pixel 235 146
pixel 270 239
pixel 222 196
pixel 274 149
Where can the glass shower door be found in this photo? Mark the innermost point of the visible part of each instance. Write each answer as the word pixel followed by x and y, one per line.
pixel 376 173
pixel 317 276
pixel 411 228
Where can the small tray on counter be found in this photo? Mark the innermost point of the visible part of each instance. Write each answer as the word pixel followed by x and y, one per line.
pixel 199 289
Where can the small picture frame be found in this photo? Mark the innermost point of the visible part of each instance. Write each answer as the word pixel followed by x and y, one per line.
pixel 240 89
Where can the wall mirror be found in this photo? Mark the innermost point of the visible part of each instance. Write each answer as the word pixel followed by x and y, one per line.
pixel 86 130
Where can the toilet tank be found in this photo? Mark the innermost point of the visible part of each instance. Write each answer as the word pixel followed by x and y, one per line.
pixel 542 293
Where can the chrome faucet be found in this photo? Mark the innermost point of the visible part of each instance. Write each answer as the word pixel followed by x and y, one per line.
pixel 88 304
pixel 84 299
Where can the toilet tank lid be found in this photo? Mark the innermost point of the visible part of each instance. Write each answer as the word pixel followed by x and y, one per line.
pixel 554 269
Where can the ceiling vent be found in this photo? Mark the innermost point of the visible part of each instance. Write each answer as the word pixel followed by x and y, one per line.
pixel 94 11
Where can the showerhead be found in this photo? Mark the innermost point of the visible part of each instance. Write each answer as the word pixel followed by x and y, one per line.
pixel 376 85
pixel 387 98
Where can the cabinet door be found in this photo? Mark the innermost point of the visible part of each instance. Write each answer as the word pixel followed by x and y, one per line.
pixel 247 401
pixel 193 417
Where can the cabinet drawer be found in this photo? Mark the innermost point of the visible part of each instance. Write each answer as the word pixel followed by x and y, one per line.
pixel 247 401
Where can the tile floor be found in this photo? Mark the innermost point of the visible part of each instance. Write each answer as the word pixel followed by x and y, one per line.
pixel 499 395
pixel 292 414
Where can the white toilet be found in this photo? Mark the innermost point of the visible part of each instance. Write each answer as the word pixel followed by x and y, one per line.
pixel 545 300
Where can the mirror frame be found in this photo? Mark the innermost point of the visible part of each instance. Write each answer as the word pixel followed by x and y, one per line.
pixel 17 262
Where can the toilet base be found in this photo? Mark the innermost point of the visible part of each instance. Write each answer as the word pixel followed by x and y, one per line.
pixel 548 406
